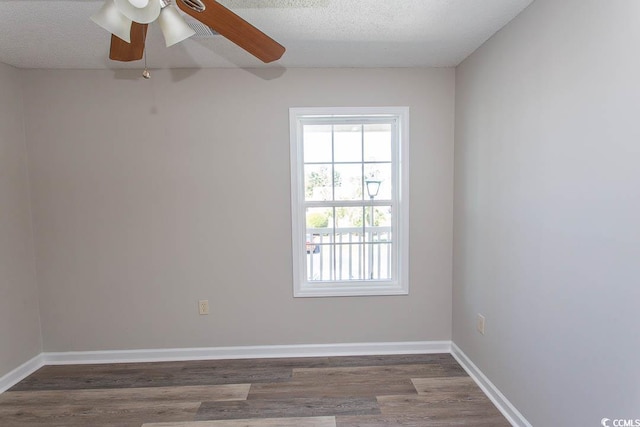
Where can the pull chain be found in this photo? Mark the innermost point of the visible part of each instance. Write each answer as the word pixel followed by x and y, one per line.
pixel 146 73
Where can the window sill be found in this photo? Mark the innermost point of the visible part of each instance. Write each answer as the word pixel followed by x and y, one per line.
pixel 320 290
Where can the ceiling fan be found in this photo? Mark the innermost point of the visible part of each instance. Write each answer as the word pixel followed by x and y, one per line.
pixel 127 21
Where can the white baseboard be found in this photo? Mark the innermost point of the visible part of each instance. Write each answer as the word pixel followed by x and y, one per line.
pixel 21 372
pixel 502 403
pixel 246 352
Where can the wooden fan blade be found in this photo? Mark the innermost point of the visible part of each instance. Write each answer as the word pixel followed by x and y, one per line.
pixel 236 29
pixel 123 51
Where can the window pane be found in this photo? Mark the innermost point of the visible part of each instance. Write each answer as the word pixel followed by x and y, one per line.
pixel 381 222
pixel 349 259
pixel 382 216
pixel 319 218
pixel 348 143
pixel 379 263
pixel 320 264
pixel 317 143
pixel 349 219
pixel 377 143
pixel 380 172
pixel 348 180
pixel 319 239
pixel 317 183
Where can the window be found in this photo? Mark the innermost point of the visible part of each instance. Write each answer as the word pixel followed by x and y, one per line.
pixel 349 198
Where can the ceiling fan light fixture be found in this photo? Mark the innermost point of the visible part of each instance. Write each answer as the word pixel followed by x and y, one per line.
pixel 142 15
pixel 173 26
pixel 110 18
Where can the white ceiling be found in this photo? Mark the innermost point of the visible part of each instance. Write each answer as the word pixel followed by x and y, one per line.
pixel 316 33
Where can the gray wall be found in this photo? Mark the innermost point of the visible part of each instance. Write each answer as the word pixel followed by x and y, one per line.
pixel 19 320
pixel 547 210
pixel 150 195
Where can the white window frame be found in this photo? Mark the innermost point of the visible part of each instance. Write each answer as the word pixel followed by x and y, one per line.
pixel 399 284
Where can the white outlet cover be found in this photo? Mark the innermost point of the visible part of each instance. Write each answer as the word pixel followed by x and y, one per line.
pixel 203 306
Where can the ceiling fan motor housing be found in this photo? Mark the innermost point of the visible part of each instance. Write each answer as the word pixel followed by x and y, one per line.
pixel 195 5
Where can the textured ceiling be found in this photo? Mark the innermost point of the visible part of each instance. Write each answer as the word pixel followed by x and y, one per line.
pixel 316 33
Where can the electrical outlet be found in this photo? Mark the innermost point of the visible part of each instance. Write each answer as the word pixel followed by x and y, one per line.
pixel 480 324
pixel 203 306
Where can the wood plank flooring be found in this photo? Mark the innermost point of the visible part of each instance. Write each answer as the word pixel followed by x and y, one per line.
pixel 366 391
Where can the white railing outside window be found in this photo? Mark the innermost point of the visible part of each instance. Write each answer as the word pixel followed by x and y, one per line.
pixel 349 254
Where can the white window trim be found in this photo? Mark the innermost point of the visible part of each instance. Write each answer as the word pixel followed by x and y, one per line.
pixel 400 283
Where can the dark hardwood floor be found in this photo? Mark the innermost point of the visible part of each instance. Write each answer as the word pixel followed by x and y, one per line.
pixel 365 391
